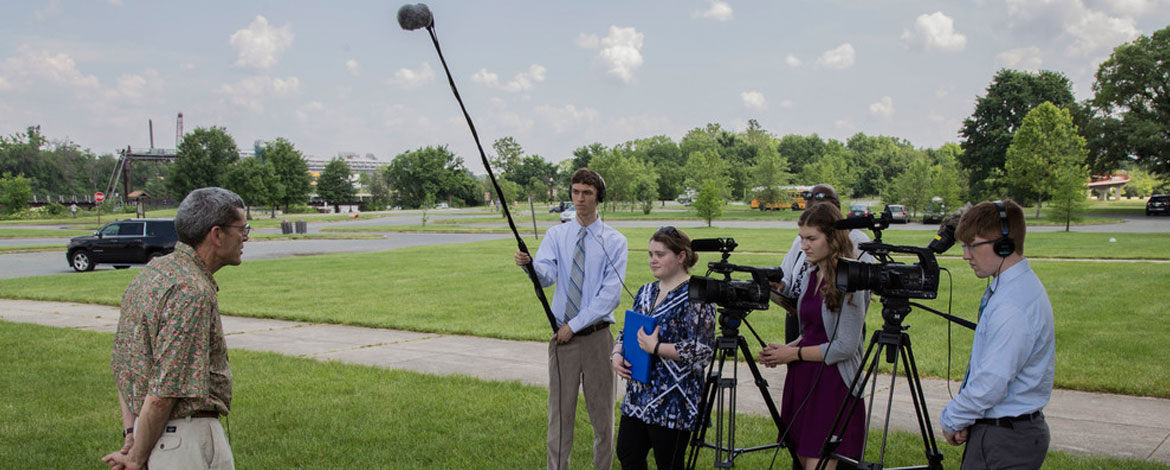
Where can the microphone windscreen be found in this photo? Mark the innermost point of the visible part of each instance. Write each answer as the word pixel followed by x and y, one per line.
pixel 706 244
pixel 854 222
pixel 412 17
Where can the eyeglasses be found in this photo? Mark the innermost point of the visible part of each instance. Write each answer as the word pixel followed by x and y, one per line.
pixel 668 230
pixel 972 246
pixel 246 228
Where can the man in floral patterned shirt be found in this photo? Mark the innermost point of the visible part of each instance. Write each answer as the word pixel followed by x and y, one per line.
pixel 170 360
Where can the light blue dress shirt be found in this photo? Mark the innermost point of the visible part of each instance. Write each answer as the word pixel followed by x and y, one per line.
pixel 605 270
pixel 1013 355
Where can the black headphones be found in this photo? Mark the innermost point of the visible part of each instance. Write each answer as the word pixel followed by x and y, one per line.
pixel 600 191
pixel 1005 246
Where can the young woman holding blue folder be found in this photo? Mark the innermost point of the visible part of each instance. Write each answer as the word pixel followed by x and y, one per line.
pixel 661 413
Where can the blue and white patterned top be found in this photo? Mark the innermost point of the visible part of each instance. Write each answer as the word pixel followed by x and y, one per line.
pixel 674 394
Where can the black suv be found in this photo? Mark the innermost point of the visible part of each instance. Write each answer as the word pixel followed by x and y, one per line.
pixel 123 243
pixel 1158 204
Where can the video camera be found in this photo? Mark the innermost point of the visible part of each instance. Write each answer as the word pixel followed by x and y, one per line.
pixel 890 278
pixel 733 295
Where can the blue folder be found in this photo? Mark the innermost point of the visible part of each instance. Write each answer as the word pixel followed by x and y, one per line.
pixel 639 360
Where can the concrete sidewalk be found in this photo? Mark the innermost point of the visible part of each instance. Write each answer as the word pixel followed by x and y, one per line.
pixel 1081 422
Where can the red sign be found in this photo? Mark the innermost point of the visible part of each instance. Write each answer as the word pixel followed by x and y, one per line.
pixel 99 196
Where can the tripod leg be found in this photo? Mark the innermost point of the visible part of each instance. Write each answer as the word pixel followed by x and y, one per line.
pixel 703 419
pixel 849 406
pixel 933 456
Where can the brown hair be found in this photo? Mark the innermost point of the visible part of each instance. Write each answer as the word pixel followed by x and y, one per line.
pixel 822 217
pixel 589 177
pixel 677 242
pixel 983 221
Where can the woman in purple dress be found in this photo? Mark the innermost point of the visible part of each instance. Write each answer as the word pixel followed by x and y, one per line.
pixel 823 360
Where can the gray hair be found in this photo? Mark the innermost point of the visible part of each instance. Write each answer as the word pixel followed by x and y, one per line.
pixel 202 209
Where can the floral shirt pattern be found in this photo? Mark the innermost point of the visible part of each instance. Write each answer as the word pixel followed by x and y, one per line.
pixel 170 341
pixel 674 394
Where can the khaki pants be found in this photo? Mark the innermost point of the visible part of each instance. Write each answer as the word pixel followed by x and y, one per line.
pixel 584 363
pixel 189 443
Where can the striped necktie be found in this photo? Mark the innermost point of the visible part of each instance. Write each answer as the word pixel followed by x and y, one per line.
pixel 576 278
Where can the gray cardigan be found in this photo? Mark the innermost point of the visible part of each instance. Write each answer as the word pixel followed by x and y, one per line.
pixel 844 346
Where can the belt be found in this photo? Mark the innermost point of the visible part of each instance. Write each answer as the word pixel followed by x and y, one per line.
pixel 205 414
pixel 1006 422
pixel 593 328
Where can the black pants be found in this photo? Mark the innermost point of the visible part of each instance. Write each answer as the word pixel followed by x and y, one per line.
pixel 635 439
pixel 1021 446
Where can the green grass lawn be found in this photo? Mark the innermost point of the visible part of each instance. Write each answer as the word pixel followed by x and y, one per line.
pixel 1109 316
pixel 61 411
pixel 31 248
pixel 41 233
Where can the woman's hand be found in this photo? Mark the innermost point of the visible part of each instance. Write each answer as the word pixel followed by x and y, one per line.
pixel 777 354
pixel 620 365
pixel 648 341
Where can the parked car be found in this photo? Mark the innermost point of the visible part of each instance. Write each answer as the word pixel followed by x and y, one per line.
pixel 857 210
pixel 442 205
pixel 1158 204
pixel 935 211
pixel 561 206
pixel 897 213
pixel 122 243
pixel 568 214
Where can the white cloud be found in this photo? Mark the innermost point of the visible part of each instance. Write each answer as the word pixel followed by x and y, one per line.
pixel 753 100
pixel 935 31
pixel 843 125
pixel 791 60
pixel 785 104
pixel 567 118
pixel 353 67
pixel 36 67
pixel 883 108
pixel 587 41
pixel 307 111
pixel 505 118
pixel 407 78
pixel 260 45
pixel 840 58
pixel 1096 31
pixel 522 81
pixel 1024 58
pixel 48 11
pixel 1133 8
pixel 621 52
pixel 719 11
pixel 251 92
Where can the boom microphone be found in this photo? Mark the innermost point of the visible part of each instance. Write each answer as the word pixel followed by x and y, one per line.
pixel 412 17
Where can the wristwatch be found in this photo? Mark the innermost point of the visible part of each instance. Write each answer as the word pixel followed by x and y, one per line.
pixel 128 431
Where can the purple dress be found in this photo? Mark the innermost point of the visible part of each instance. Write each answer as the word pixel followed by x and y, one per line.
pixel 828 391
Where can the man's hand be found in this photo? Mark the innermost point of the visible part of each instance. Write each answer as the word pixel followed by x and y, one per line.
pixel 957 438
pixel 128 442
pixel 620 365
pixel 121 461
pixel 563 335
pixel 521 258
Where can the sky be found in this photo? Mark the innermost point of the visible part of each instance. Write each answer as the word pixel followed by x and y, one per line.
pixel 555 75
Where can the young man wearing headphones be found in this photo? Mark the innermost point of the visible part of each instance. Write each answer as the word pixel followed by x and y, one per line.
pixel 998 411
pixel 586 259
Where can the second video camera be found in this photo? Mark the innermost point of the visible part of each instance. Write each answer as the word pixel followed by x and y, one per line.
pixel 736 295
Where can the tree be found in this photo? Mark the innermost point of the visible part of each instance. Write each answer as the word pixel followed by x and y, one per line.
pixel 583 156
pixel 770 172
pixel 435 171
pixel 15 192
pixel 1045 151
pixel 537 176
pixel 292 172
pixel 375 184
pixel 912 188
pixel 508 156
pixel 627 179
pixel 801 150
pixel 987 133
pixel 1141 183
pixel 831 168
pixel 1068 193
pixel 876 161
pixel 255 182
pixel 204 157
pixel 706 165
pixel 1132 84
pixel 708 204
pixel 334 185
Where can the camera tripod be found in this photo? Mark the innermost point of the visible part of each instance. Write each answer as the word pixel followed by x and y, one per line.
pixel 895 341
pixel 716 387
